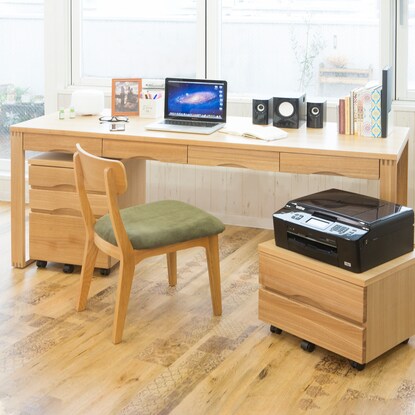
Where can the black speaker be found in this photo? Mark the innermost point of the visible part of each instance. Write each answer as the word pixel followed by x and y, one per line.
pixel 262 111
pixel 289 112
pixel 316 113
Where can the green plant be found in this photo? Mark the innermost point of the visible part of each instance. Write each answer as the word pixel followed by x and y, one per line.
pixel 306 52
pixel 19 91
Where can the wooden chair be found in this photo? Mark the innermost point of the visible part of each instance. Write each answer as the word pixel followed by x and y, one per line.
pixel 138 232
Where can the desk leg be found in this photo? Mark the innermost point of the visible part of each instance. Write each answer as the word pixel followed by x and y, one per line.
pixel 18 224
pixel 394 179
pixel 403 177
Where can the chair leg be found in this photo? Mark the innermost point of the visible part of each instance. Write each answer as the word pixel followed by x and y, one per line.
pixel 212 255
pixel 88 264
pixel 172 268
pixel 125 280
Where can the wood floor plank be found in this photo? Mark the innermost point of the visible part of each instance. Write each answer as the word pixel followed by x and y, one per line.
pixel 176 358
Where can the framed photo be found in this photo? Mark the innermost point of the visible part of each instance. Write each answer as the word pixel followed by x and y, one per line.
pixel 125 95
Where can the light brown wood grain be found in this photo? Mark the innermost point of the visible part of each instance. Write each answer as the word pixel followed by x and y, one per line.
pixel 312 288
pixel 60 143
pixel 151 151
pixel 312 300
pixel 320 147
pixel 226 157
pixel 60 238
pixel 176 357
pixel 341 166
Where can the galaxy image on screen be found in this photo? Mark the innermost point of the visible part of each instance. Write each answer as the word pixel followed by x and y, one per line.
pixel 187 99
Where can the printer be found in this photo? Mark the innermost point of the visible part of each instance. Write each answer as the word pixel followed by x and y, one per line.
pixel 345 229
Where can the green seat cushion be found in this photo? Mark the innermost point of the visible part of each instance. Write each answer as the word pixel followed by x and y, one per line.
pixel 161 223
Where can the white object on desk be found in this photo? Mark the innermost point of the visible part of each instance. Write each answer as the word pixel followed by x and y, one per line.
pixel 151 108
pixel 88 101
pixel 266 133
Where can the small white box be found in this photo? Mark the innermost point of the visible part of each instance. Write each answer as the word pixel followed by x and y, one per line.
pixel 151 108
pixel 88 101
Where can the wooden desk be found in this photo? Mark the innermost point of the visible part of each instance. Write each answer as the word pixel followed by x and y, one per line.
pixel 307 151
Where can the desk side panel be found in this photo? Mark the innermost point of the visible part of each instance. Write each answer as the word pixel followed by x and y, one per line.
pixel 390 311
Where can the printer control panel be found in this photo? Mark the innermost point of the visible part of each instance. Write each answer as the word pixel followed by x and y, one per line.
pixel 330 227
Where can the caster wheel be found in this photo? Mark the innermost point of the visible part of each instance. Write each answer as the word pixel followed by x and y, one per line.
pixel 275 330
pixel 357 366
pixel 68 268
pixel 307 346
pixel 105 271
pixel 41 264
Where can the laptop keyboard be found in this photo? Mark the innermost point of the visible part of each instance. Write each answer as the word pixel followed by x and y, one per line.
pixel 191 123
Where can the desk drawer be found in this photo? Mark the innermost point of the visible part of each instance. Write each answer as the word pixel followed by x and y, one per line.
pixel 342 166
pixel 52 177
pixel 309 323
pixel 310 287
pixel 169 153
pixel 250 159
pixel 60 238
pixel 61 143
pixel 64 202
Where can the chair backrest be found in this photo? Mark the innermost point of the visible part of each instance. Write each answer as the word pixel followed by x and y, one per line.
pixel 93 168
pixel 102 175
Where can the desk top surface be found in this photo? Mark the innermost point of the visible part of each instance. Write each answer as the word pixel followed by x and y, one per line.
pixel 324 141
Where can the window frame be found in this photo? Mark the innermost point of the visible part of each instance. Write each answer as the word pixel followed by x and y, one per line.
pixel 403 93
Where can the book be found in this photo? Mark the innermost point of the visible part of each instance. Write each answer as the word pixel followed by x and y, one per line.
pixel 357 110
pixel 366 101
pixel 386 100
pixel 259 132
pixel 341 116
pixel 347 114
pixel 375 113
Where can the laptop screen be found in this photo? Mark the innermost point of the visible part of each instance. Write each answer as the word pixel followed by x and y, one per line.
pixel 195 99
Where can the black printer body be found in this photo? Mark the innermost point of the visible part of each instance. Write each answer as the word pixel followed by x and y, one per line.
pixel 345 229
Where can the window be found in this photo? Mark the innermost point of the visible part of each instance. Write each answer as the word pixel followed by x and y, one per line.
pixel 405 53
pixel 22 69
pixel 273 46
pixel 258 46
pixel 146 39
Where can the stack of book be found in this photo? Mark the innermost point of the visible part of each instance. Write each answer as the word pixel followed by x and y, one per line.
pixel 360 112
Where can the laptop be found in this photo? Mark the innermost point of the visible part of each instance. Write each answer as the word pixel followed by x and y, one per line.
pixel 193 106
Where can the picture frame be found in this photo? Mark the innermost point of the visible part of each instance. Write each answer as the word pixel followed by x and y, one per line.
pixel 125 96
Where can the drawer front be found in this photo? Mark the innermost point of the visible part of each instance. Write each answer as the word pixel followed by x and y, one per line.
pixel 64 202
pixel 52 177
pixel 339 336
pixel 310 287
pixel 250 159
pixel 170 153
pixel 58 238
pixel 61 143
pixel 342 166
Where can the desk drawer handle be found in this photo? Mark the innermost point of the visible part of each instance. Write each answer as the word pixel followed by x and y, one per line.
pixel 327 173
pixel 231 165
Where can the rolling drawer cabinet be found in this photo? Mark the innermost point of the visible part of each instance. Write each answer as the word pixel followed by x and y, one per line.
pixel 358 316
pixel 56 228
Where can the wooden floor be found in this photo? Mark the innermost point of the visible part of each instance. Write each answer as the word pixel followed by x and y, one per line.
pixel 176 357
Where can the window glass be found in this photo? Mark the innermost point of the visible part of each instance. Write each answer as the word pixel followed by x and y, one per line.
pixel 322 47
pixel 22 68
pixel 145 39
